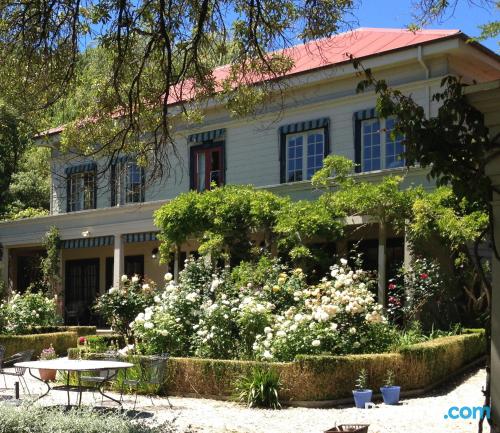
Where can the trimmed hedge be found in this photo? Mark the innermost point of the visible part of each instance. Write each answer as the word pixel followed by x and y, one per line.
pixel 61 341
pixel 81 331
pixel 316 378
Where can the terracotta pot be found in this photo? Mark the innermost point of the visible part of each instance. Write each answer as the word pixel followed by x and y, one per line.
pixel 47 375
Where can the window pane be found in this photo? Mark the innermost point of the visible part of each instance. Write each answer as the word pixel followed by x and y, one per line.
pixel 393 146
pixel 315 152
pixel 294 158
pixel 215 167
pixel 133 183
pixel 370 145
pixel 200 171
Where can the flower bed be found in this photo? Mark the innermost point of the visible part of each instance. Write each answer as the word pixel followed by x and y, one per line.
pixel 311 378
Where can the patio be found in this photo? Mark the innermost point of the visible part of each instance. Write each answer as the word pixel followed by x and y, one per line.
pixel 211 416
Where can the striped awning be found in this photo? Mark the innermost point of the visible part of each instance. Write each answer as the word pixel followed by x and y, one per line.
pixel 365 114
pixel 216 134
pixel 141 237
pixel 99 241
pixel 292 128
pixel 90 166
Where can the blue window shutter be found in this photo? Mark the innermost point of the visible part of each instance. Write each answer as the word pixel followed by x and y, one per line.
pixel 282 157
pixel 113 185
pixel 143 184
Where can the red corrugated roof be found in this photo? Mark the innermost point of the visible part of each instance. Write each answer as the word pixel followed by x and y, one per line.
pixel 360 43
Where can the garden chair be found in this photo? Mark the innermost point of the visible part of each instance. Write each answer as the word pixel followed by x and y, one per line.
pixel 102 376
pixel 152 372
pixel 8 363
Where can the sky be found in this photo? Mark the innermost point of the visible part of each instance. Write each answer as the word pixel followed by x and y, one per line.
pixel 397 13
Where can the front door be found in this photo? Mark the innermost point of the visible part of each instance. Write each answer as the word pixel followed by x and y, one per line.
pixel 82 287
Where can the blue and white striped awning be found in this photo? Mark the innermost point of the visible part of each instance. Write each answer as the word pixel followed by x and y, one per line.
pixel 370 113
pixel 292 128
pixel 216 134
pixel 141 237
pixel 89 166
pixel 99 241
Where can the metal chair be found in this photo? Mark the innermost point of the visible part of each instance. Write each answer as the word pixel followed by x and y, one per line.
pixel 153 370
pixel 9 362
pixel 103 376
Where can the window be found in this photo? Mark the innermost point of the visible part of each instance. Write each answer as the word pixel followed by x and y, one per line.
pixel 304 154
pixel 379 150
pixel 207 165
pixel 127 183
pixel 81 191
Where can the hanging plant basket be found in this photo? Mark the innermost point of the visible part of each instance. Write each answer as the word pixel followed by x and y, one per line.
pixel 349 428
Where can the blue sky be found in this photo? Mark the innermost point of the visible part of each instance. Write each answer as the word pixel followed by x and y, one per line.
pixel 397 13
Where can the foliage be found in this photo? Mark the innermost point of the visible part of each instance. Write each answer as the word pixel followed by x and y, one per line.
pixel 13 143
pixel 414 289
pixel 222 219
pixel 362 380
pixel 120 305
pixel 272 316
pixel 389 378
pixel 50 263
pixel 22 313
pixel 259 389
pixel 38 419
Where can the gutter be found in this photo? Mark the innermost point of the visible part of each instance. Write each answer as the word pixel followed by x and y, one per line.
pixel 420 60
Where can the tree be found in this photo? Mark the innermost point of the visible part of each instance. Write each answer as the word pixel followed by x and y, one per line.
pixel 13 143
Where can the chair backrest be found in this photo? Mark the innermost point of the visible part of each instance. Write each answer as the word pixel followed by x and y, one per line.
pixel 23 356
pixel 154 369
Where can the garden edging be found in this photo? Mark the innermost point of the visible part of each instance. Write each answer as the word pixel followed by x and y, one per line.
pixel 323 380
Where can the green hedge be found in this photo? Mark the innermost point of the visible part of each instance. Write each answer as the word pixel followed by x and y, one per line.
pixel 316 378
pixel 81 331
pixel 61 341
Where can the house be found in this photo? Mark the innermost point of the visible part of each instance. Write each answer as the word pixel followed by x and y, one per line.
pixel 107 231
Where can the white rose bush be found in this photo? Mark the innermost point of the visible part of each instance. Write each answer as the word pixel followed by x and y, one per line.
pixel 275 315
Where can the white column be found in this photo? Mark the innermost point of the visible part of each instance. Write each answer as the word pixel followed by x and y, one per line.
pixel 408 256
pixel 382 258
pixel 119 260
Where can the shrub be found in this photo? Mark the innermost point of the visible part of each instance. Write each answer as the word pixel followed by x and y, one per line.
pixel 209 314
pixel 61 341
pixel 260 388
pixel 23 313
pixel 120 305
pixel 37 419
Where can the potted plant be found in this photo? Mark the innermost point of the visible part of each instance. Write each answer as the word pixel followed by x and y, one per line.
pixel 46 355
pixel 390 392
pixel 361 393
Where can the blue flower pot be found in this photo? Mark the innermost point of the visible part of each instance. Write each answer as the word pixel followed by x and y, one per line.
pixel 361 397
pixel 390 394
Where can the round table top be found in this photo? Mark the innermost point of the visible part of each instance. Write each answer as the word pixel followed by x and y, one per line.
pixel 74 364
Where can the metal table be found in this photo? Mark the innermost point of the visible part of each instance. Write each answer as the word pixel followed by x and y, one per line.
pixel 77 366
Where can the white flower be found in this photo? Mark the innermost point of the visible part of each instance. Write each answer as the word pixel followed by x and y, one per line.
pixel 124 278
pixel 343 262
pixel 298 317
pixel 112 290
pixel 157 299
pixel 352 330
pixel 168 276
pixel 316 343
pixel 148 325
pixel 267 354
pixel 135 279
pixel 281 333
pixel 145 286
pixel 267 329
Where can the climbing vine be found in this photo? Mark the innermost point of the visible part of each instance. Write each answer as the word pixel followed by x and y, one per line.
pixel 50 263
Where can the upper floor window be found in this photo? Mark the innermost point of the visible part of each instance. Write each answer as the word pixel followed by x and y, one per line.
pixel 305 153
pixel 379 148
pixel 127 183
pixel 81 189
pixel 303 148
pixel 207 162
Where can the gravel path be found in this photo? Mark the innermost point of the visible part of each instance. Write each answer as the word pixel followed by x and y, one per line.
pixel 417 415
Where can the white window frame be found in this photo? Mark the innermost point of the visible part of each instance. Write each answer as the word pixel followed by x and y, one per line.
pixel 77 189
pixel 304 136
pixel 122 192
pixel 383 133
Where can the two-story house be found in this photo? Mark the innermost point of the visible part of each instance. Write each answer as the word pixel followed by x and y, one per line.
pixel 107 231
